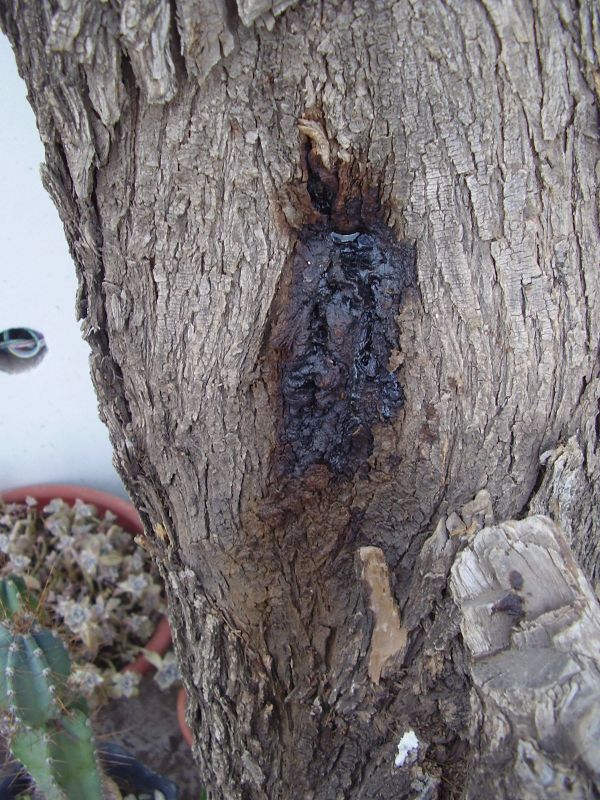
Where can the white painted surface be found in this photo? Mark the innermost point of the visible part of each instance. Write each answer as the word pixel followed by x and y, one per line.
pixel 49 425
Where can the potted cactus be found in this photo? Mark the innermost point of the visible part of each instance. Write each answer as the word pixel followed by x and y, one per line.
pixel 100 587
pixel 46 719
pixel 71 551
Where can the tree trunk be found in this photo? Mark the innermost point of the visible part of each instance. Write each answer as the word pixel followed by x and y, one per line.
pixel 338 271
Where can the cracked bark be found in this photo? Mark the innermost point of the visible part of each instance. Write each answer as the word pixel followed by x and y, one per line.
pixel 174 156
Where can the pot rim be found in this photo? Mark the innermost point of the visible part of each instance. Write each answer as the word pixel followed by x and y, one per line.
pixel 185 729
pixel 127 517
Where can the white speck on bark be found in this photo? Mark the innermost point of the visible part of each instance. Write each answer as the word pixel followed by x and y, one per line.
pixel 408 744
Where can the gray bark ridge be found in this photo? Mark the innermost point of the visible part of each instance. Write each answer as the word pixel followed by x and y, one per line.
pixel 99 35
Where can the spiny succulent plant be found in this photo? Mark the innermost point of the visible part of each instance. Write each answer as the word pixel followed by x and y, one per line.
pixel 100 589
pixel 62 758
pixel 49 722
pixel 14 597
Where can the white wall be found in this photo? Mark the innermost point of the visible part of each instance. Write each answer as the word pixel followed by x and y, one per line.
pixel 49 425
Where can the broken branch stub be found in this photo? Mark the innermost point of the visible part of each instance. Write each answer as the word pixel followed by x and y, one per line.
pixel 532 627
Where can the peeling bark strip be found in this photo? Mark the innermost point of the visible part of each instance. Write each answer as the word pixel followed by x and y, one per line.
pixel 338 329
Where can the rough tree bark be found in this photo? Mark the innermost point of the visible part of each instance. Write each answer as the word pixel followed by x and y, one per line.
pixel 319 428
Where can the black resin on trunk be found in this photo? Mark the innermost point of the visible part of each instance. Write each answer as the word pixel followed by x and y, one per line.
pixel 336 340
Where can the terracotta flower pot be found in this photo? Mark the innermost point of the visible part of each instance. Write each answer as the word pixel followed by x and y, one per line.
pixel 127 518
pixel 183 726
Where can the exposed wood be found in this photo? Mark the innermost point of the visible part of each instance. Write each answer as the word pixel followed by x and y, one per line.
pixel 388 637
pixel 181 142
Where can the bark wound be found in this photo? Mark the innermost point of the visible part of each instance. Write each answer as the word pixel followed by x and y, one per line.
pixel 337 329
pixel 389 637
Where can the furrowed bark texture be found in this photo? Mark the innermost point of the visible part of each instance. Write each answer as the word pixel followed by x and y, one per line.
pixel 201 155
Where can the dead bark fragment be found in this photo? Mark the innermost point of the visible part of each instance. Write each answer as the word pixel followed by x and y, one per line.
pixel 388 637
pixel 206 34
pixel 251 10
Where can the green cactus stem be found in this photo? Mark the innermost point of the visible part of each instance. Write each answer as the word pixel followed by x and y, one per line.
pixel 74 757
pixel 51 734
pixel 32 749
pixel 62 760
pixel 14 597
pixel 34 669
